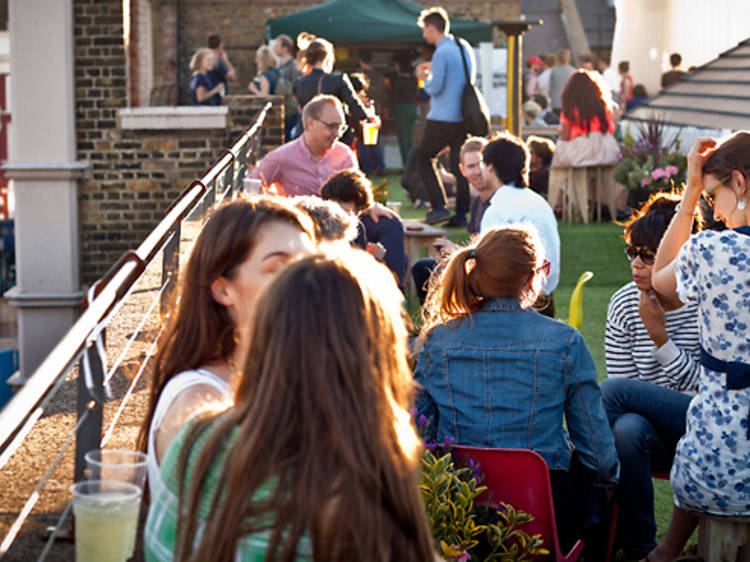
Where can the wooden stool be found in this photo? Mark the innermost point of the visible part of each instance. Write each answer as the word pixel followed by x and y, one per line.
pixel 579 184
pixel 721 539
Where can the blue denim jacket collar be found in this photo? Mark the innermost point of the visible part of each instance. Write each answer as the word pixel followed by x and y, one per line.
pixel 501 303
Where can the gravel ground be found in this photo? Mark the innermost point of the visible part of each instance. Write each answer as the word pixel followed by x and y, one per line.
pixel 24 470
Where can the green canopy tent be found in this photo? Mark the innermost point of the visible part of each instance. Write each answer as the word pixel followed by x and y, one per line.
pixel 368 21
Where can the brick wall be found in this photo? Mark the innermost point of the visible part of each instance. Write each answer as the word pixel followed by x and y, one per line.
pixel 240 24
pixel 134 174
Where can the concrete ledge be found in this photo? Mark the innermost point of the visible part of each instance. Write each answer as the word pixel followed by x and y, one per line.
pixel 43 300
pixel 46 170
pixel 180 117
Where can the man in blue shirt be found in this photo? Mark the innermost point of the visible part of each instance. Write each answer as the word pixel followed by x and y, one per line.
pixel 444 81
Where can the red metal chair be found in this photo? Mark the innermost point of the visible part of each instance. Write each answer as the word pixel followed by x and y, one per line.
pixel 520 478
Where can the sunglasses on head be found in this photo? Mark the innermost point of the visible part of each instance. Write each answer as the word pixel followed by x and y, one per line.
pixel 647 255
pixel 710 192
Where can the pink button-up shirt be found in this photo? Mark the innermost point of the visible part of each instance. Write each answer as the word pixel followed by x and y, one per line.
pixel 293 168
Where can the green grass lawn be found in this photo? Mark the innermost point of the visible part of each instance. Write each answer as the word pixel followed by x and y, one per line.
pixel 594 247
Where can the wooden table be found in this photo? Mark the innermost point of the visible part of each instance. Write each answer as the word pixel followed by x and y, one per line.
pixel 417 235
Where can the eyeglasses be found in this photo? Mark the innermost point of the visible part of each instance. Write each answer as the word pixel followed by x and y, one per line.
pixel 647 255
pixel 545 267
pixel 337 128
pixel 710 193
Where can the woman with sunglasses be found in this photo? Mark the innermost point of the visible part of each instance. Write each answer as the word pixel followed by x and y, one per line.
pixel 652 353
pixel 496 373
pixel 711 468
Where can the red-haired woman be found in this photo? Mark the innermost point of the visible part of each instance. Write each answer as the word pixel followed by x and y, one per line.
pixel 586 132
pixel 198 364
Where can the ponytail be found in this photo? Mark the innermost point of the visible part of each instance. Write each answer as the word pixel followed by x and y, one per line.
pixel 499 265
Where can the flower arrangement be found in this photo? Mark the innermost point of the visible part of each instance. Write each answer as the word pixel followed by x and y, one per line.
pixel 649 161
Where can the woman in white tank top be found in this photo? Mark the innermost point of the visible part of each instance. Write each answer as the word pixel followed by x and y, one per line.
pixel 204 347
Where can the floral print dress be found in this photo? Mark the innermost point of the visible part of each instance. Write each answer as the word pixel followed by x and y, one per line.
pixel 711 470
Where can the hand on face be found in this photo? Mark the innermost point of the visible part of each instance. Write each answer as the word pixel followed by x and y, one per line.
pixel 652 315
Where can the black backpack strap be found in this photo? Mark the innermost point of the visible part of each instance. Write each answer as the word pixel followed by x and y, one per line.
pixel 463 58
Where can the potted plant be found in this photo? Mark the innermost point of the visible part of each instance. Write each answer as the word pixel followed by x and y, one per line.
pixel 650 161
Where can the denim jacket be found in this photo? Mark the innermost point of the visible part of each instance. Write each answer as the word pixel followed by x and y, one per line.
pixel 505 377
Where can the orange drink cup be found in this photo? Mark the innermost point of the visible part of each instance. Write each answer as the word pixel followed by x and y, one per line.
pixel 369 133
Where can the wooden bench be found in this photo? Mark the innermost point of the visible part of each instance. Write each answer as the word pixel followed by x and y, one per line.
pixel 417 235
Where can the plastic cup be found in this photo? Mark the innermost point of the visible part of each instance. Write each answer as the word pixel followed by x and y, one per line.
pixel 116 464
pixel 252 185
pixel 369 133
pixel 394 206
pixel 106 519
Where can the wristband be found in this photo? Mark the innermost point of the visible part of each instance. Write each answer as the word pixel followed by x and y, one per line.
pixel 678 209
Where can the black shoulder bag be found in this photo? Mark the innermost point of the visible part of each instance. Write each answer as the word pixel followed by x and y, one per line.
pixel 473 107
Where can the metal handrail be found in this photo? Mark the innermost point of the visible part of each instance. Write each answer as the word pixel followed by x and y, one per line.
pixel 19 415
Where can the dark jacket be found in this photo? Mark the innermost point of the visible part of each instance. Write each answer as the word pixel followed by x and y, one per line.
pixel 318 82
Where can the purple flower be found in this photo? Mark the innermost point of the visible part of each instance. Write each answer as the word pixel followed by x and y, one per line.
pixel 464 557
pixel 671 170
pixel 645 181
pixel 448 441
pixel 658 173
pixel 422 422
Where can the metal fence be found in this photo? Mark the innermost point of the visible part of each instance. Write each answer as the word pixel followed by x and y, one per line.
pixel 127 306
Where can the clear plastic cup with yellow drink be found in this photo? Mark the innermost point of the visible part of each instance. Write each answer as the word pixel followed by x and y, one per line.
pixel 106 519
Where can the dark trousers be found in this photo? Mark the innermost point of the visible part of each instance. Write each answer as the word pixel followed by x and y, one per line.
pixel 581 510
pixel 406 117
pixel 436 136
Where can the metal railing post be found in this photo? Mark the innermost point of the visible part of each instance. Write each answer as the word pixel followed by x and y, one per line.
pixel 170 267
pixel 90 433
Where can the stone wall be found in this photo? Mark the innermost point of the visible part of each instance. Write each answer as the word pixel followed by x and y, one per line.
pixel 240 24
pixel 134 174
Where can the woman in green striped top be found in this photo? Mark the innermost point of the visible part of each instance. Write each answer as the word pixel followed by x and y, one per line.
pixel 318 459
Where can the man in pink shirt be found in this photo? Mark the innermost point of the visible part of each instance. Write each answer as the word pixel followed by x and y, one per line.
pixel 302 166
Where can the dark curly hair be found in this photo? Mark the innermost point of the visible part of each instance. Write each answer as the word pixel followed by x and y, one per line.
pixel 648 224
pixel 349 185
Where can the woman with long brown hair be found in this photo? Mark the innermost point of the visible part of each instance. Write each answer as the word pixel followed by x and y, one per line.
pixel 496 373
pixel 318 459
pixel 197 365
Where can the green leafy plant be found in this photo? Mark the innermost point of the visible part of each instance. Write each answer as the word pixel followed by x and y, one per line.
pixel 649 160
pixel 464 531
pixel 380 191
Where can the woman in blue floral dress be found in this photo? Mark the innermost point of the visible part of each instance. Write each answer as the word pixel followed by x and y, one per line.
pixel 711 469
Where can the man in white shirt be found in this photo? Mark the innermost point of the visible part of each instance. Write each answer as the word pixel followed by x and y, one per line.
pixel 505 170
pixel 611 77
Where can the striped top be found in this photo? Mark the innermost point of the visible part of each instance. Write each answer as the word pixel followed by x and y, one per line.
pixel 160 533
pixel 631 353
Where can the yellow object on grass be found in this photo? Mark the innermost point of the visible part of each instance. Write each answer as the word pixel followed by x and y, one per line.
pixel 575 312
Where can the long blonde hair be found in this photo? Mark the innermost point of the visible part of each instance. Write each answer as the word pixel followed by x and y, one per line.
pixel 322 413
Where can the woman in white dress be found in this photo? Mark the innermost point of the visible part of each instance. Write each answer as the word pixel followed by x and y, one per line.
pixel 711 468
